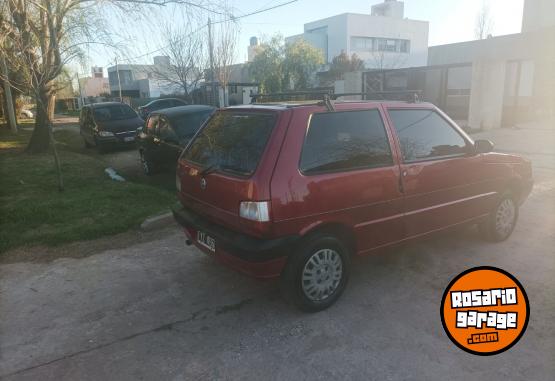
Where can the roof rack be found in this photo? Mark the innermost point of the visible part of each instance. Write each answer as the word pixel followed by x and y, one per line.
pixel 324 97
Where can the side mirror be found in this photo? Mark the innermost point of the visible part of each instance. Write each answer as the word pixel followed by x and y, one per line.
pixel 483 146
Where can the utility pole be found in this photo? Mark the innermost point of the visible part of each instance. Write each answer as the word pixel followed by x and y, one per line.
pixel 8 95
pixel 119 80
pixel 211 54
pixel 81 102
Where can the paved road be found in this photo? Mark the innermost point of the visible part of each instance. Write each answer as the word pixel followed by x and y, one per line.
pixel 159 310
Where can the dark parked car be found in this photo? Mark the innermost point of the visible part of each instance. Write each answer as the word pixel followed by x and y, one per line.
pixel 296 190
pixel 159 104
pixel 108 124
pixel 167 132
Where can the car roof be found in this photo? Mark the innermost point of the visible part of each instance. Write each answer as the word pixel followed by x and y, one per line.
pixel 277 106
pixel 102 104
pixel 164 99
pixel 181 110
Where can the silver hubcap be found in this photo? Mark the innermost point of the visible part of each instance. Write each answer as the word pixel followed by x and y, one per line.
pixel 505 217
pixel 322 274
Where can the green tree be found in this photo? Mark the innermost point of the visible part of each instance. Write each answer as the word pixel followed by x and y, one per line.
pixel 342 64
pixel 267 66
pixel 278 66
pixel 301 62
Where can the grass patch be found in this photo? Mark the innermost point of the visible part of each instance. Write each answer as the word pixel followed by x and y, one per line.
pixel 32 211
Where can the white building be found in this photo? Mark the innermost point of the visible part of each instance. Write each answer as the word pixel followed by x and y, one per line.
pixel 141 81
pixel 383 39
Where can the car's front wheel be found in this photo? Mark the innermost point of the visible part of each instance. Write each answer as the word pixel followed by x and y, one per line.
pixel 317 274
pixel 500 223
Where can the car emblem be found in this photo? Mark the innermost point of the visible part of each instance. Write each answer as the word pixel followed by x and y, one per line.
pixel 203 183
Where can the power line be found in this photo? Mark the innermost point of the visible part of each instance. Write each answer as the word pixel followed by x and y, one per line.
pixel 232 18
pixel 256 12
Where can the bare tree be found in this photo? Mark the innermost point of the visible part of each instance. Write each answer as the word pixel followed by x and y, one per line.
pixel 186 50
pixel 224 53
pixel 484 23
pixel 47 34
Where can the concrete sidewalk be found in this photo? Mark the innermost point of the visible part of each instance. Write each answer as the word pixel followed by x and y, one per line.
pixel 535 141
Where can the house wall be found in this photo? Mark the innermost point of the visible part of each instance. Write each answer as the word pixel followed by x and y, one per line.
pixel 334 35
pixel 93 87
pixel 512 76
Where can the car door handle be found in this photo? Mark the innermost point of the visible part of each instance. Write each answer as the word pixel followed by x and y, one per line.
pixel 401 186
pixel 156 140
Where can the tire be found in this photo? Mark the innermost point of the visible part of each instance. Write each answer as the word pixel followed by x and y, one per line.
pixel 148 167
pixel 500 223
pixel 317 274
pixel 87 144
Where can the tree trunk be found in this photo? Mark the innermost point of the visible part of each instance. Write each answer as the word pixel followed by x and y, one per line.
pixel 40 140
pixel 10 101
pixel 51 106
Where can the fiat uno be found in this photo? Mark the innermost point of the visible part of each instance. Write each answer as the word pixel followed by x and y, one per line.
pixel 296 190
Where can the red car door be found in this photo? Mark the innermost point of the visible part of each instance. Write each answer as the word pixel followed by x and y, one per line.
pixel 443 182
pixel 346 174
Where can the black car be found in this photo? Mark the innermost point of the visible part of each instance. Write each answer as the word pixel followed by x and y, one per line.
pixel 159 104
pixel 108 124
pixel 167 132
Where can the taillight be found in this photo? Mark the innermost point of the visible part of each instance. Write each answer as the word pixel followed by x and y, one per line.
pixel 255 210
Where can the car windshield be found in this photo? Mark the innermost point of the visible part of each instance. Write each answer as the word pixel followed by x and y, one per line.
pixel 113 112
pixel 232 142
pixel 186 125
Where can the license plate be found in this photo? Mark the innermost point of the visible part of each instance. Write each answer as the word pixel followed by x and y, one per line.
pixel 206 241
pixel 129 139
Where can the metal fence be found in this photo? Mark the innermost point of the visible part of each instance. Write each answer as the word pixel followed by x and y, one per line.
pixel 446 86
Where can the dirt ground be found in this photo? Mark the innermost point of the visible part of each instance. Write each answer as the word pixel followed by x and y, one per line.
pixel 146 306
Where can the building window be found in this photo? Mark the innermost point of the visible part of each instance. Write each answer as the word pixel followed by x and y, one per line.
pixel 376 44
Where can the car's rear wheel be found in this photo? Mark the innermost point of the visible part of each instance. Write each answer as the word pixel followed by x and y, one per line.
pixel 317 274
pixel 147 165
pixel 500 223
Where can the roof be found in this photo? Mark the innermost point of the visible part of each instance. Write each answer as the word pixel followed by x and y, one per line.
pixel 102 104
pixel 180 110
pixel 295 104
pixel 164 99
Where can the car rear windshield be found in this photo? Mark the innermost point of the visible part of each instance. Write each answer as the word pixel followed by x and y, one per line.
pixel 114 112
pixel 232 142
pixel 186 125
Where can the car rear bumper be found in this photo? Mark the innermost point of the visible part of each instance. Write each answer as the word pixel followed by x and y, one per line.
pixel 260 258
pixel 126 137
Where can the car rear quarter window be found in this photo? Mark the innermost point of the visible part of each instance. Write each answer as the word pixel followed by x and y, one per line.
pixel 424 135
pixel 347 140
pixel 232 142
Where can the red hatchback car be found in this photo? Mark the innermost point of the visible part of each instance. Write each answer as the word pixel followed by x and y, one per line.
pixel 293 191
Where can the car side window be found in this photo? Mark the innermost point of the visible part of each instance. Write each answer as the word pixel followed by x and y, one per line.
pixel 166 132
pixel 342 141
pixel 424 134
pixel 151 125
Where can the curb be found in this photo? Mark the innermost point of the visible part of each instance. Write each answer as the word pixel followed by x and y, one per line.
pixel 158 222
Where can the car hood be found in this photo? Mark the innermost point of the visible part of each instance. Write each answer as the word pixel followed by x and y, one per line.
pixel 121 125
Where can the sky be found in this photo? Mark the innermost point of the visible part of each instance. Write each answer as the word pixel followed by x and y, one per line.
pixel 450 21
